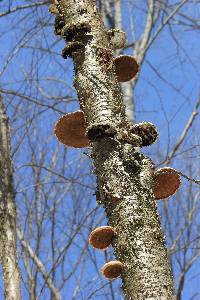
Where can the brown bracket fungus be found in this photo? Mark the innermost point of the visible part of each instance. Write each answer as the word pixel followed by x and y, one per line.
pixel 126 67
pixel 97 131
pixel 147 131
pixel 70 130
pixel 112 269
pixel 101 237
pixel 117 38
pixel 71 48
pixel 166 182
pixel 72 31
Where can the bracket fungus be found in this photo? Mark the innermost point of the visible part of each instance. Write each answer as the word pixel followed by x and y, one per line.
pixel 112 269
pixel 97 131
pixel 166 182
pixel 147 131
pixel 101 237
pixel 71 31
pixel 71 48
pixel 70 130
pixel 117 38
pixel 126 67
pixel 58 24
pixel 130 138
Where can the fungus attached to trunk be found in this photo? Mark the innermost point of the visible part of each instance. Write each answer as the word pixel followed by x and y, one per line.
pixel 126 67
pixel 147 131
pixel 112 269
pixel 101 237
pixel 59 23
pixel 166 182
pixel 72 48
pixel 117 38
pixel 72 30
pixel 70 130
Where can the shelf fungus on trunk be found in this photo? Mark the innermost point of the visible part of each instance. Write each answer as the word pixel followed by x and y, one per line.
pixel 117 38
pixel 74 28
pixel 70 130
pixel 72 48
pixel 146 131
pixel 101 237
pixel 126 67
pixel 166 182
pixel 130 138
pixel 58 24
pixel 112 269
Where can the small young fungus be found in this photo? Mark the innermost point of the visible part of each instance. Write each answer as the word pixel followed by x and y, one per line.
pixel 101 237
pixel 112 269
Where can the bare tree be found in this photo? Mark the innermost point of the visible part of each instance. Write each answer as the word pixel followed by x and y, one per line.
pixel 8 253
pixel 54 187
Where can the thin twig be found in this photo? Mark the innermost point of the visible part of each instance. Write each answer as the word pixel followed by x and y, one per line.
pixel 13 10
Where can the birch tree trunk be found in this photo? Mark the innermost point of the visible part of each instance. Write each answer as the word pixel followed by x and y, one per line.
pixel 124 176
pixel 8 251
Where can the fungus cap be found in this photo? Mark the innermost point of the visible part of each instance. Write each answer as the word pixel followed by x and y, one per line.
pixel 101 237
pixel 117 38
pixel 166 182
pixel 112 269
pixel 70 130
pixel 126 67
pixel 71 48
pixel 147 131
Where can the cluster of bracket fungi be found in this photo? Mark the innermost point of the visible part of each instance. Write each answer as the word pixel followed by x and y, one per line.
pixel 71 131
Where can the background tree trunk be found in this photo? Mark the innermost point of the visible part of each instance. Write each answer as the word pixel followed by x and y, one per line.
pixel 8 247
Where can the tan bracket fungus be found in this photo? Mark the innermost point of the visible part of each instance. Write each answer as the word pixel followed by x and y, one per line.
pixel 70 130
pixel 146 131
pixel 112 269
pixel 166 182
pixel 126 67
pixel 101 237
pixel 117 38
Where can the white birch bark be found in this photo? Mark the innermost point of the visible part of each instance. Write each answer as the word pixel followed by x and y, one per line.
pixel 124 176
pixel 8 247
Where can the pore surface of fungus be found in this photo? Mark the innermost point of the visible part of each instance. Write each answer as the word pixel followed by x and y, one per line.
pixel 166 182
pixel 126 67
pixel 101 237
pixel 112 269
pixel 70 130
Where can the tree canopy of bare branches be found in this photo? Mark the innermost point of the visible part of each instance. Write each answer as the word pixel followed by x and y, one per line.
pixel 54 186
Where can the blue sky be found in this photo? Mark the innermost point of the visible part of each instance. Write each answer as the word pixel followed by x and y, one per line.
pixel 165 95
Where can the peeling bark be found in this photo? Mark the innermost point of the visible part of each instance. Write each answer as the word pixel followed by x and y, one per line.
pixel 124 176
pixel 8 248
